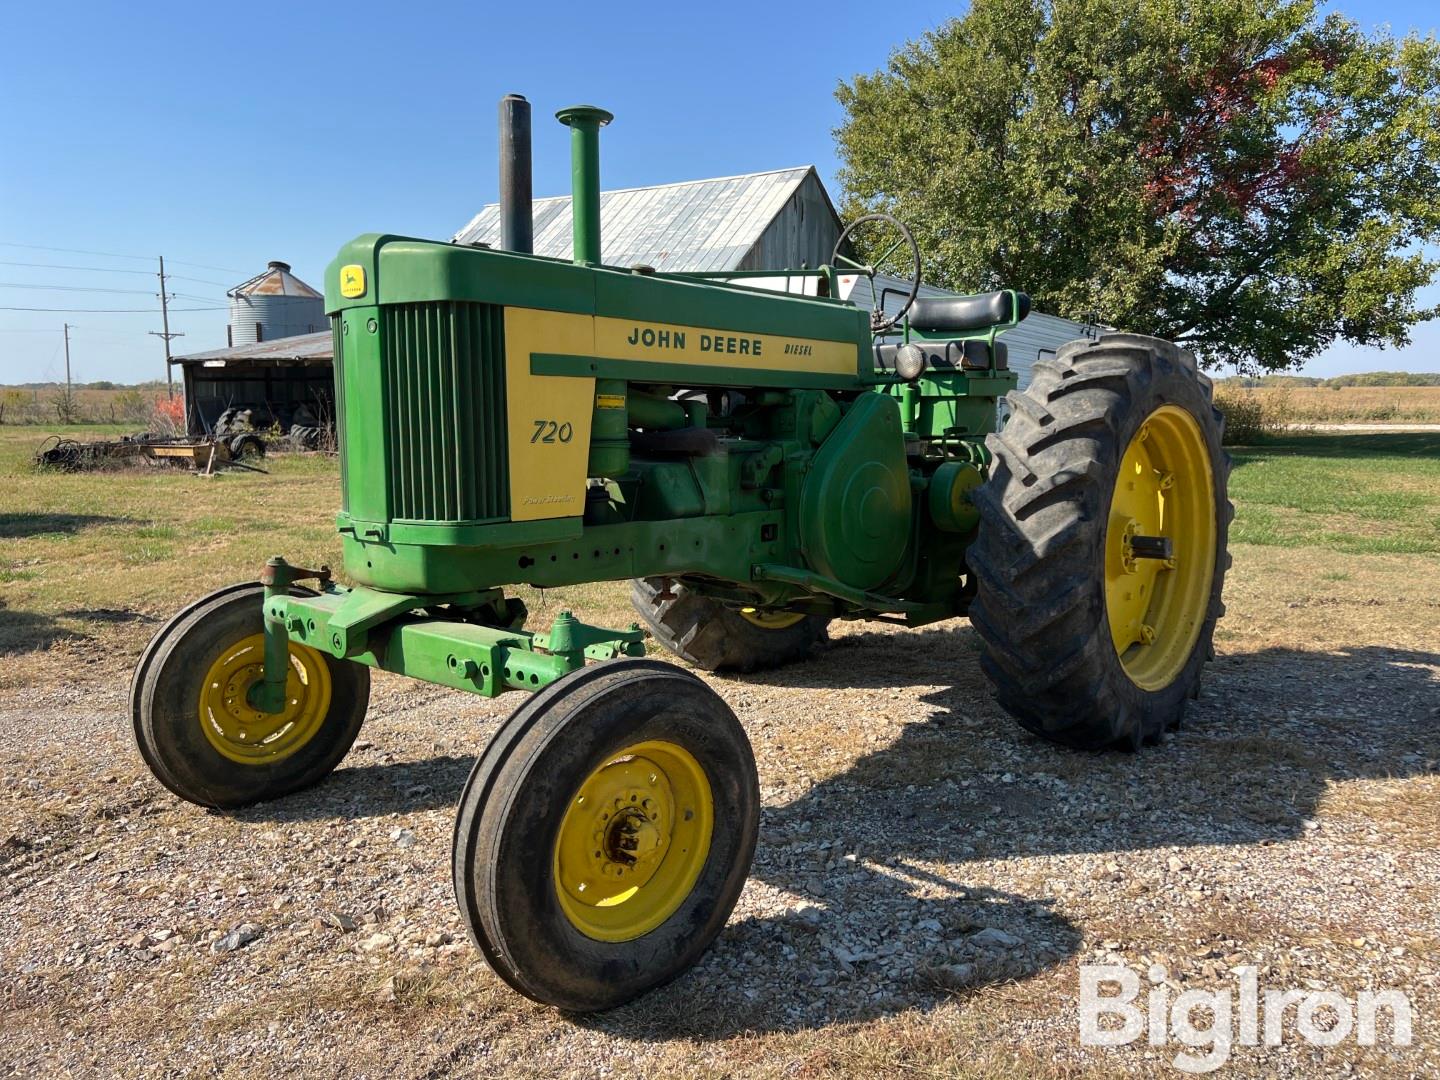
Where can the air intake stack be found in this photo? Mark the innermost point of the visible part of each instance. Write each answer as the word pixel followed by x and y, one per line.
pixel 585 122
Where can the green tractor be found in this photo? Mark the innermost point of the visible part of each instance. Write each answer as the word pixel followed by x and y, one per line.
pixel 758 464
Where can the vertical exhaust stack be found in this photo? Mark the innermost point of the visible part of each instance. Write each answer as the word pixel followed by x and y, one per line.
pixel 585 122
pixel 517 221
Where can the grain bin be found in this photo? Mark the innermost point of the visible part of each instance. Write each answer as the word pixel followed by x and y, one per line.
pixel 272 305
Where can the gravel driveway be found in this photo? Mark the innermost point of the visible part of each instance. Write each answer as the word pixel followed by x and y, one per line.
pixel 928 877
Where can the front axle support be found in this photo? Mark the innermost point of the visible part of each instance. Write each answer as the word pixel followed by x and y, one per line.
pixel 469 641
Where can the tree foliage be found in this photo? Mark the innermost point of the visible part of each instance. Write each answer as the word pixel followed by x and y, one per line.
pixel 1237 175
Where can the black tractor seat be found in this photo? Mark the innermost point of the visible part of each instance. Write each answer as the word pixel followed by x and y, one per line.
pixel 956 314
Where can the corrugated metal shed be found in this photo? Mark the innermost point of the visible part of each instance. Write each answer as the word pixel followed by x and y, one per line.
pixel 288 380
pixel 1041 335
pixel 777 219
pixel 303 348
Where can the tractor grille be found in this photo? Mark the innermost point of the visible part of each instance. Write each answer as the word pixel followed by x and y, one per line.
pixel 444 380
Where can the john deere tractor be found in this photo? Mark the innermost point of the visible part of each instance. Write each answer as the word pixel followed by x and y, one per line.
pixel 758 464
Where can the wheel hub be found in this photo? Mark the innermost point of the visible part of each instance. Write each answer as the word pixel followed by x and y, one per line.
pixel 244 734
pixel 634 837
pixel 771 620
pixel 633 841
pixel 1160 547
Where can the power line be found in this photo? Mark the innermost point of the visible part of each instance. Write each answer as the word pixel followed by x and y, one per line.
pixel 107 311
pixel 62 266
pixel 75 288
pixel 71 251
pixel 116 255
pixel 114 270
pixel 167 334
pixel 207 266
pixel 199 280
pixel 98 289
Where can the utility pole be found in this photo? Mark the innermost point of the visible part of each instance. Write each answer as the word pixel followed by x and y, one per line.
pixel 67 361
pixel 166 335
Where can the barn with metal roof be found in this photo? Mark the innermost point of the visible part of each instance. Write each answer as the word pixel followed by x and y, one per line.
pixel 770 220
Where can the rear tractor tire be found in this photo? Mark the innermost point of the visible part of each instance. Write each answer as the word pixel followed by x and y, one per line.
pixel 709 635
pixel 1101 553
pixel 604 836
pixel 198 734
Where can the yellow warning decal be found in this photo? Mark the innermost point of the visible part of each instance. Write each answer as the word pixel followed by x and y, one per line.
pixel 610 401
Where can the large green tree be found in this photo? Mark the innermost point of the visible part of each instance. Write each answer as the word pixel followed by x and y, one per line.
pixel 1240 176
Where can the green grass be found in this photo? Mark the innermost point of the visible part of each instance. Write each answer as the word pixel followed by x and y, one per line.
pixel 1356 494
pixel 144 539
pixel 147 540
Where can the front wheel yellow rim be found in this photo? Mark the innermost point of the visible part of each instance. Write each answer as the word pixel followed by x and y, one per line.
pixel 244 734
pixel 1160 547
pixel 633 841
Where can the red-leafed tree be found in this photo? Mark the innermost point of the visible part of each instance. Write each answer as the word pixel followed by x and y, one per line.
pixel 1237 175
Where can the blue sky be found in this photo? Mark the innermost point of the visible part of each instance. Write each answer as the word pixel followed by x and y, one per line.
pixel 224 136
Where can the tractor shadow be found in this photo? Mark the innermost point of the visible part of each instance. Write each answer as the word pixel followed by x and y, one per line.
pixel 862 900
pixel 24 526
pixel 371 789
pixel 862 946
pixel 896 928
pixel 30 631
pixel 1270 732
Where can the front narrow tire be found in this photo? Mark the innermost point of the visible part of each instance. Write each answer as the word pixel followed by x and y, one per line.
pixel 193 727
pixel 604 836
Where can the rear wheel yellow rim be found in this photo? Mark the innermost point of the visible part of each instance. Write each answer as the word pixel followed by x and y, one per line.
pixel 1165 489
pixel 633 841
pixel 771 620
pixel 244 734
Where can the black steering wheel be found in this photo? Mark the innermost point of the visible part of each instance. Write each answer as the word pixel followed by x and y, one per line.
pixel 879 321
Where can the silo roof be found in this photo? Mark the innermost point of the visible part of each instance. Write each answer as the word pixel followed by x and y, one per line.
pixel 697 225
pixel 277 280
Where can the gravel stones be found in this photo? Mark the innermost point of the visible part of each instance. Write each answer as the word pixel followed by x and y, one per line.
pixel 242 935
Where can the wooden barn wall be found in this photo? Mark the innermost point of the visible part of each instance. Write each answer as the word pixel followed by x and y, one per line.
pixel 803 233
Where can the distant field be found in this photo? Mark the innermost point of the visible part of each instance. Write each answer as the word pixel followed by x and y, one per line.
pixel 144 539
pixel 134 406
pixel 1351 404
pixel 131 406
